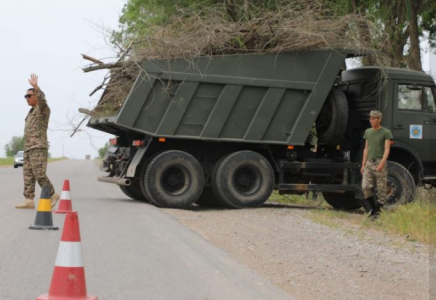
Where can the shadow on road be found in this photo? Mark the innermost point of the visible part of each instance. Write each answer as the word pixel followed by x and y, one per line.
pixel 273 205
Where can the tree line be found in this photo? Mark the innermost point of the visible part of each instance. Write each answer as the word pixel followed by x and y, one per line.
pixel 15 144
pixel 405 22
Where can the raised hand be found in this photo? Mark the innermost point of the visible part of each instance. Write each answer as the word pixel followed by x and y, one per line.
pixel 33 80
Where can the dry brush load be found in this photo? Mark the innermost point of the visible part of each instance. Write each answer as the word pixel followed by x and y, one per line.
pixel 189 33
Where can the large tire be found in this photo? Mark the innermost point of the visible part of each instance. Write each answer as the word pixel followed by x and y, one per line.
pixel 401 185
pixel 345 201
pixel 331 123
pixel 208 198
pixel 173 179
pixel 142 177
pixel 134 191
pixel 243 179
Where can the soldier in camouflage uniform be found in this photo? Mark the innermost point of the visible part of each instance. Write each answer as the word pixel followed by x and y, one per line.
pixel 374 163
pixel 36 146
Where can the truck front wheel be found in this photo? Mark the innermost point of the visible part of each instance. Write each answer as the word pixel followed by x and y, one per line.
pixel 243 179
pixel 401 185
pixel 173 179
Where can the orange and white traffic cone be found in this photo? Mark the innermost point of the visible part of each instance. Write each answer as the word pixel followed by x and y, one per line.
pixel 68 281
pixel 65 205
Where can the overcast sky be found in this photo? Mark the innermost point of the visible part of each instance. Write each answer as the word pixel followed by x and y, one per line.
pixel 47 37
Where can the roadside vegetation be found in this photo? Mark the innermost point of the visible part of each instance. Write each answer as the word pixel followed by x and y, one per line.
pixel 9 161
pixel 54 159
pixel 102 151
pixel 415 221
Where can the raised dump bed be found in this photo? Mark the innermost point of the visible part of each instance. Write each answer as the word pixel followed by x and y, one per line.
pixel 255 98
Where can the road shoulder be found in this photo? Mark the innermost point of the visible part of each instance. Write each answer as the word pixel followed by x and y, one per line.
pixel 311 260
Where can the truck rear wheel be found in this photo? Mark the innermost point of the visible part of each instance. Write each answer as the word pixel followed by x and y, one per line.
pixel 173 179
pixel 331 123
pixel 243 179
pixel 133 191
pixel 345 201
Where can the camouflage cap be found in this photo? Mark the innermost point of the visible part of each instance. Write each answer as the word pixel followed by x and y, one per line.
pixel 375 114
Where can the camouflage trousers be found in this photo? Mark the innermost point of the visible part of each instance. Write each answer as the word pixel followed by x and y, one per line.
pixel 375 180
pixel 34 168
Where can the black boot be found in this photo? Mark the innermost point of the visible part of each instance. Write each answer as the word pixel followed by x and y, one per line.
pixel 366 204
pixel 375 211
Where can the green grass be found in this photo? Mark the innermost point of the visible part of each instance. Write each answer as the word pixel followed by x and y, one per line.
pixel 9 161
pixel 57 159
pixel 415 221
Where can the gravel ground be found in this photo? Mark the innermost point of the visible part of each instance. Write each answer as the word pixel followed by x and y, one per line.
pixel 314 261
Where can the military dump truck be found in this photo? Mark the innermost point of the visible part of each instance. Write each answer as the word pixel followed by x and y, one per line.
pixel 228 130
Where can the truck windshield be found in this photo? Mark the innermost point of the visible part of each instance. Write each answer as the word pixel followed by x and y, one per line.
pixel 19 154
pixel 429 99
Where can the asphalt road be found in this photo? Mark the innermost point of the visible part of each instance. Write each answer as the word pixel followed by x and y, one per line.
pixel 131 250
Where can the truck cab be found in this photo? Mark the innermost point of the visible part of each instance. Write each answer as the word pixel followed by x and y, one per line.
pixel 407 100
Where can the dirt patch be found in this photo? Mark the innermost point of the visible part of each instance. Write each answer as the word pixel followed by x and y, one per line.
pixel 314 261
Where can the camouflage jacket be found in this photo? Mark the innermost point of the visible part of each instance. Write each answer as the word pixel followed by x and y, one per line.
pixel 35 130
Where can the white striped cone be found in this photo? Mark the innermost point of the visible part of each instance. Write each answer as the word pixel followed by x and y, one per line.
pixel 68 281
pixel 65 205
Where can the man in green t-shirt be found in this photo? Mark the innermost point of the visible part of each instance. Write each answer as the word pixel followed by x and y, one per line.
pixel 374 162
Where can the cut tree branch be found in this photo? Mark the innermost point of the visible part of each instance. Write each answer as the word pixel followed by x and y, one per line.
pixel 103 66
pixel 96 89
pixel 94 60
pixel 77 128
pixel 85 111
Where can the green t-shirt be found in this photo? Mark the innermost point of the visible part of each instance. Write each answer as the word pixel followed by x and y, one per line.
pixel 376 141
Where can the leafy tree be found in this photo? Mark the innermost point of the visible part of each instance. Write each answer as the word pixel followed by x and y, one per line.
pixel 138 15
pixel 102 151
pixel 404 21
pixel 16 144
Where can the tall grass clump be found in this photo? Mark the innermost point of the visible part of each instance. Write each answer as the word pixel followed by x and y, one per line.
pixel 416 220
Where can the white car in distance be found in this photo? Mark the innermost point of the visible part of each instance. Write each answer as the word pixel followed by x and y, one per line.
pixel 18 159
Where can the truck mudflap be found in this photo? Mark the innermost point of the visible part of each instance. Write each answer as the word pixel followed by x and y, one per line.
pixel 131 170
pixel 122 163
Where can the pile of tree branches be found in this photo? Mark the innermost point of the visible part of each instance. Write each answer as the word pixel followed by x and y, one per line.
pixel 298 25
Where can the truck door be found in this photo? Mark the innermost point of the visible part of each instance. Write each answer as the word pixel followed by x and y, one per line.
pixel 431 107
pixel 412 117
